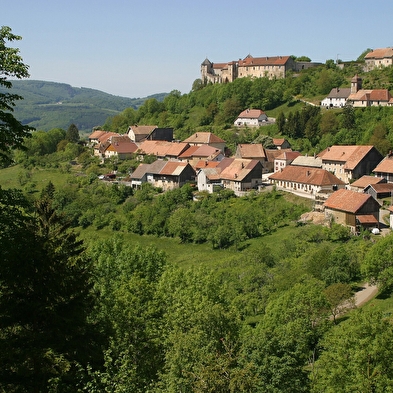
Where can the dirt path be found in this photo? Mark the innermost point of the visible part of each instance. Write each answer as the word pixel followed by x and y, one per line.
pixel 365 294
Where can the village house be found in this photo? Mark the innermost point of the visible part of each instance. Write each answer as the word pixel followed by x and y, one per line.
pixel 353 209
pixel 337 97
pixel 284 159
pixel 271 156
pixel 350 162
pixel 360 184
pixel 194 154
pixel 377 58
pixel 309 161
pixel 98 140
pixel 206 138
pixel 363 98
pixel 162 149
pixel 380 191
pixel 166 175
pixel 120 147
pixel 251 118
pixel 238 175
pixel 306 181
pixel 153 133
pixel 281 143
pixel 251 151
pixel 385 168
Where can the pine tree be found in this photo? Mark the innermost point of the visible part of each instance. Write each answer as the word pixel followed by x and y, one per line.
pixel 45 297
pixel 72 134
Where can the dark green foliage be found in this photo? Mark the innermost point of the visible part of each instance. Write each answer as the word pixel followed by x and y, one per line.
pixel 49 105
pixel 357 356
pixel 12 131
pixel 45 298
pixel 72 134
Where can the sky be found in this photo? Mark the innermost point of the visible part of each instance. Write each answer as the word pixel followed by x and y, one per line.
pixel 136 48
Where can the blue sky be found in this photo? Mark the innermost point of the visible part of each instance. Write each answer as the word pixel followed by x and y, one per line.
pixel 137 48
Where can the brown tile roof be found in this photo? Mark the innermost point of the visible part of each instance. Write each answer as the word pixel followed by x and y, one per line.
pixel 379 53
pixel 104 137
pixel 347 200
pixel 238 169
pixel 204 137
pixel 351 155
pixel 272 154
pixel 367 219
pixel 142 130
pixel 262 61
pixel 96 134
pixel 371 95
pixel 251 113
pixel 385 166
pixel 366 180
pixel 382 187
pixel 306 175
pixel 251 150
pixel 188 153
pixel 163 148
pixel 173 168
pixel 203 164
pixel 279 141
pixel 288 155
pixel 122 144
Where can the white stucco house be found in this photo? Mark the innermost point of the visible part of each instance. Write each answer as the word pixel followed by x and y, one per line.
pixel 337 98
pixel 251 117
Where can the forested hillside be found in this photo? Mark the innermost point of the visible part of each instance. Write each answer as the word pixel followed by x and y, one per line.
pixel 104 288
pixel 48 105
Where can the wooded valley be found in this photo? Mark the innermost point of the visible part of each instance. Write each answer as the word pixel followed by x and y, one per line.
pixel 104 288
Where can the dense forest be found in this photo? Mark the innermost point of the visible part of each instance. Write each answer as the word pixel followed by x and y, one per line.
pixel 48 105
pixel 108 289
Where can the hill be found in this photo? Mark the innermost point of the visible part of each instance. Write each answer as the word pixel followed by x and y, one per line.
pixel 48 105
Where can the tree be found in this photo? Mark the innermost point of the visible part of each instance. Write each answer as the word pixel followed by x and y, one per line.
pixel 357 356
pixel 12 131
pixel 280 122
pixel 45 298
pixel 72 134
pixel 348 117
pixel 378 264
pixel 340 298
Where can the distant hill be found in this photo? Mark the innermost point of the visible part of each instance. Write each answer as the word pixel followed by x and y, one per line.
pixel 48 105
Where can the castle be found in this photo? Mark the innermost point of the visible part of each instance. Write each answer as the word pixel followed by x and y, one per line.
pixel 254 67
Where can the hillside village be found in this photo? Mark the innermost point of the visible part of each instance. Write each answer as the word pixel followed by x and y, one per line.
pixel 347 183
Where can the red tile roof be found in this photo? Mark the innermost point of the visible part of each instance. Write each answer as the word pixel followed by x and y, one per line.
pixel 385 166
pixel 365 180
pixel 163 148
pixel 306 175
pixel 379 53
pixel 238 169
pixel 262 61
pixel 347 200
pixel 351 155
pixel 367 219
pixel 251 113
pixel 288 155
pixel 122 144
pixel 251 150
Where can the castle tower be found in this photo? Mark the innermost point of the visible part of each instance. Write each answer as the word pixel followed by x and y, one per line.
pixel 206 69
pixel 356 84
